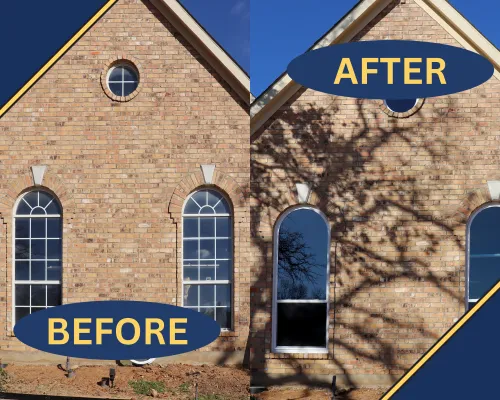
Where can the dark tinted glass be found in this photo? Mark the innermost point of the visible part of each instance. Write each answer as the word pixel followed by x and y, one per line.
pixel 484 252
pixel 37 228
pixel 223 317
pixel 37 270
pixel 38 295
pixel 21 312
pixel 22 228
pixel 129 74
pixel 301 325
pixel 116 75
pixel 116 88
pixel 190 227
pixel 22 270
pixel 22 295
pixel 302 256
pixel 128 88
pixel 54 228
pixel 401 105
pixel 53 295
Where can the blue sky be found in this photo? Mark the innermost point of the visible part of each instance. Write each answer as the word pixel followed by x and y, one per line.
pixel 228 22
pixel 275 40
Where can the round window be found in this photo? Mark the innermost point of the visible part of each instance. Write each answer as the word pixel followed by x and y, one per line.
pixel 123 80
pixel 401 105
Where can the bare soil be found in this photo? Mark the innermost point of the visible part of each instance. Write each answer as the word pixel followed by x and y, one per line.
pixel 214 383
pixel 310 394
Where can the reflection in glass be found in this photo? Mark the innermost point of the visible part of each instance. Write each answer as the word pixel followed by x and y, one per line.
pixel 302 280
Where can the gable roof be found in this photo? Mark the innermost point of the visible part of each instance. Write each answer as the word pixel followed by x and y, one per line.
pixel 283 88
pixel 208 48
pixel 183 22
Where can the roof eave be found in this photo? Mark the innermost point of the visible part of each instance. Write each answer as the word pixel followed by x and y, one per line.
pixel 208 48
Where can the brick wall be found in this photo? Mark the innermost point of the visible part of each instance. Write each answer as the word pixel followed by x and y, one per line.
pixel 397 193
pixel 116 165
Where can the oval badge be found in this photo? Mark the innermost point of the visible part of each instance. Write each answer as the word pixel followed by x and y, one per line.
pixel 390 69
pixel 117 330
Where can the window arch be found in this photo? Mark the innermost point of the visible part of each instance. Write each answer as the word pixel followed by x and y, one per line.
pixel 208 255
pixel 483 252
pixel 37 253
pixel 301 282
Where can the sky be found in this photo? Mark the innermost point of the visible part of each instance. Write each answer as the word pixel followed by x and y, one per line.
pixel 228 22
pixel 283 29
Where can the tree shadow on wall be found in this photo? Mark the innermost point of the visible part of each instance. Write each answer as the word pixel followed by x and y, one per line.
pixel 372 178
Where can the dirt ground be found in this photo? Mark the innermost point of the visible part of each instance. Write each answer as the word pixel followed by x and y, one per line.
pixel 214 383
pixel 307 394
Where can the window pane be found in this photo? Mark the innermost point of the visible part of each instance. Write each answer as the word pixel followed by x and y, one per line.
pixel 54 248
pixel 53 208
pixel 207 210
pixel 191 270
pixel 208 312
pixel 301 325
pixel 223 317
pixel 200 198
pixel 207 270
pixel 22 228
pixel 38 270
pixel 38 295
pixel 22 270
pixel 37 227
pixel 54 228
pixel 303 247
pixel 223 270
pixel 31 198
pixel 207 227
pixel 44 199
pixel 129 74
pixel 223 295
pixel 22 295
pixel 223 207
pixel 213 197
pixel 190 227
pixel 190 249
pixel 223 248
pixel 22 249
pixel 223 227
pixel 54 271
pixel 38 248
pixel 484 273
pixel 190 295
pixel 53 295
pixel 38 211
pixel 191 207
pixel 116 88
pixel 129 88
pixel 115 75
pixel 207 295
pixel 21 312
pixel 207 248
pixel 23 208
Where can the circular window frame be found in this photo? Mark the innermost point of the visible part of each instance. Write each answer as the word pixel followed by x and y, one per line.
pixel 418 105
pixel 114 62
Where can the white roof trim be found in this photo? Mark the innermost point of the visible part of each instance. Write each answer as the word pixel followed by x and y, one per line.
pixel 351 24
pixel 206 46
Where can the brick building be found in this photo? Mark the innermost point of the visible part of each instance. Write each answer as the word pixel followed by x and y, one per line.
pixel 133 170
pixel 396 190
pixel 113 136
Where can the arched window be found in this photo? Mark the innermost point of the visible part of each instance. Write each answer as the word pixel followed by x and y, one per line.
pixel 37 253
pixel 483 252
pixel 208 255
pixel 301 280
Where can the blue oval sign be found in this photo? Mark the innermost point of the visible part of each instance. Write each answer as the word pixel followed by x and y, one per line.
pixel 117 330
pixel 390 69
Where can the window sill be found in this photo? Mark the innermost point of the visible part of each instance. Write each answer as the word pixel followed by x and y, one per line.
pixel 228 333
pixel 300 350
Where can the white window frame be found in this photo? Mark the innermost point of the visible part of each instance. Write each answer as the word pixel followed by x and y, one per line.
pixel 122 65
pixel 31 282
pixel 231 259
pixel 298 349
pixel 467 252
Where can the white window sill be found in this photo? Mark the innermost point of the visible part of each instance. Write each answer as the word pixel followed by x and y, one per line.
pixel 300 350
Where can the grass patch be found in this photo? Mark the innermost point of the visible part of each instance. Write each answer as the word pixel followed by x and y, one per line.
pixel 184 388
pixel 144 387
